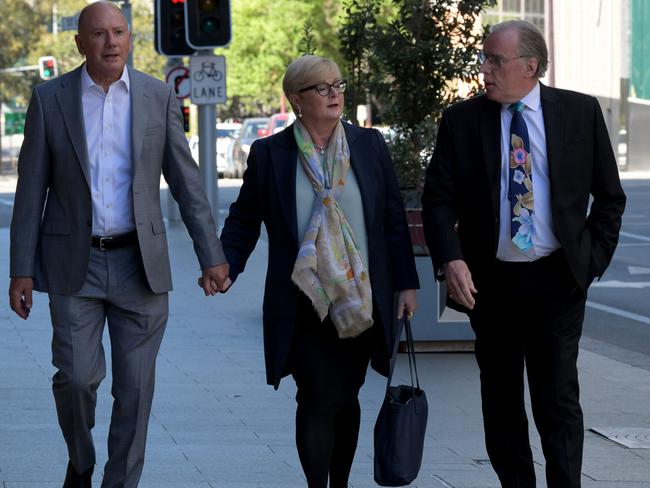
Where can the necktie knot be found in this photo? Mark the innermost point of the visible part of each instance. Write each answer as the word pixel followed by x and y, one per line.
pixel 517 106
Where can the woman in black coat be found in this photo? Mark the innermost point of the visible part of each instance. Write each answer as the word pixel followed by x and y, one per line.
pixel 339 249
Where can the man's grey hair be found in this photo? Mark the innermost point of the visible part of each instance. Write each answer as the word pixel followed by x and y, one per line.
pixel 531 42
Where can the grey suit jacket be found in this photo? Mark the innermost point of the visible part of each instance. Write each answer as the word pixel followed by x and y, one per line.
pixel 52 218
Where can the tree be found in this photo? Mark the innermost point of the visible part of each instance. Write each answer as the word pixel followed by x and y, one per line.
pixel 17 34
pixel 267 36
pixel 415 63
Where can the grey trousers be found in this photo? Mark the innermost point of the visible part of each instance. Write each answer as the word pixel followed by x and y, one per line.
pixel 115 292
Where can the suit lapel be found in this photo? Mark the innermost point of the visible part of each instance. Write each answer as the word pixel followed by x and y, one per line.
pixel 284 160
pixel 551 111
pixel 359 163
pixel 71 106
pixel 139 113
pixel 491 143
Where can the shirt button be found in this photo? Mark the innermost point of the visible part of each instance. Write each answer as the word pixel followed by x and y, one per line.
pixel 105 153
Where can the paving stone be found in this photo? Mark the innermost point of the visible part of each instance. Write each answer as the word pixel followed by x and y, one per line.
pixel 216 424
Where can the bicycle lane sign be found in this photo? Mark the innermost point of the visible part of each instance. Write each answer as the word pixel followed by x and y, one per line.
pixel 208 78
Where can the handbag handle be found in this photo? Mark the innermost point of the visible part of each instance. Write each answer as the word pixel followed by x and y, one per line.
pixel 410 349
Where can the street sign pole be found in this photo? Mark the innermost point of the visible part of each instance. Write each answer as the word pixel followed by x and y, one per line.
pixel 208 156
pixel 208 75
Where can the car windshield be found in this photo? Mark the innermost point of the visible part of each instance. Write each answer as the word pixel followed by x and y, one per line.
pixel 250 130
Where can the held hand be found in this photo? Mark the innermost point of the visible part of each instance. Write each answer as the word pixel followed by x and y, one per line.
pixel 459 283
pixel 406 301
pixel 226 284
pixel 213 279
pixel 20 296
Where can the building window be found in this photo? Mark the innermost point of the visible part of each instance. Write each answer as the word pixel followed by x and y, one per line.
pixel 530 10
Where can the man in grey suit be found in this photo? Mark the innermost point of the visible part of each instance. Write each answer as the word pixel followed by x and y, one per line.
pixel 87 229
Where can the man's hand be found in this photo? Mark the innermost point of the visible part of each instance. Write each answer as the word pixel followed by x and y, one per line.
pixel 459 283
pixel 406 301
pixel 20 296
pixel 214 278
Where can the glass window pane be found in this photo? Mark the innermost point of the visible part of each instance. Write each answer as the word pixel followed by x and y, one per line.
pixel 490 19
pixel 511 5
pixel 534 6
pixel 537 20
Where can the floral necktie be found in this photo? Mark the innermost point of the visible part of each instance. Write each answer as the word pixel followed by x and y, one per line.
pixel 520 191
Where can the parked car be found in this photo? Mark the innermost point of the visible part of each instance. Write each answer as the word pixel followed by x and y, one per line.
pixel 251 129
pixel 225 137
pixel 278 122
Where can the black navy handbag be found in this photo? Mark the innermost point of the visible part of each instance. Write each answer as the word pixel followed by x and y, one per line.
pixel 401 425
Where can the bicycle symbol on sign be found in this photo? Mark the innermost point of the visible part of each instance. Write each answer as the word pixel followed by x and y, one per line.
pixel 208 70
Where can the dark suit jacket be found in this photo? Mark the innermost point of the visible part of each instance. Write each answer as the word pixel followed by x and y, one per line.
pixel 463 185
pixel 52 218
pixel 268 195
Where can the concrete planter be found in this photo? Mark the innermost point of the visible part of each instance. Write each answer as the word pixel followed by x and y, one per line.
pixel 435 326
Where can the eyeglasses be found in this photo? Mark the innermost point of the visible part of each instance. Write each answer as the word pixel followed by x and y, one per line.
pixel 324 89
pixel 495 60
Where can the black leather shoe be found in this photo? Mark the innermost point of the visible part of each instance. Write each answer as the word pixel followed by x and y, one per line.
pixel 76 480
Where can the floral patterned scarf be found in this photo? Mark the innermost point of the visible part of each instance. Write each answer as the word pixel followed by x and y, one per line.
pixel 329 268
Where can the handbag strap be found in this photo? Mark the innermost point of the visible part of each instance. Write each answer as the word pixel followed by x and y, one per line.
pixel 410 350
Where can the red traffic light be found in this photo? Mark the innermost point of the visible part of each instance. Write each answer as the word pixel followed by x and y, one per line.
pixel 170 28
pixel 47 67
pixel 185 110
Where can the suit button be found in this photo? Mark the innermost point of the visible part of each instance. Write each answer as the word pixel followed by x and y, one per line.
pixel 88 223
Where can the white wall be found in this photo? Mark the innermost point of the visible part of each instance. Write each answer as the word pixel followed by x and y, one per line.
pixel 588 46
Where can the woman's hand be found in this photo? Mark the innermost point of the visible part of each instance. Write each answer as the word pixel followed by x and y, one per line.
pixel 406 301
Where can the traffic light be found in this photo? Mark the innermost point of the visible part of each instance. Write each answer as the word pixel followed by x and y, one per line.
pixel 185 110
pixel 47 67
pixel 207 23
pixel 170 28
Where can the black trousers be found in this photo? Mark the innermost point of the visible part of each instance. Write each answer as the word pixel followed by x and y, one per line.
pixel 329 373
pixel 531 314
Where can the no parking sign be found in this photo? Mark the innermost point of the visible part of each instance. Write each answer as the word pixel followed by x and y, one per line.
pixel 178 78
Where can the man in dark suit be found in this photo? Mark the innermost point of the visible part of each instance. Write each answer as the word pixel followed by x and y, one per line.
pixel 87 229
pixel 521 266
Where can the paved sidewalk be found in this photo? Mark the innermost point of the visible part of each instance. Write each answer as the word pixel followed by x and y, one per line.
pixel 215 423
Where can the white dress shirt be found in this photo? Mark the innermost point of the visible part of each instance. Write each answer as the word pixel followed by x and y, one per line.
pixel 107 121
pixel 544 240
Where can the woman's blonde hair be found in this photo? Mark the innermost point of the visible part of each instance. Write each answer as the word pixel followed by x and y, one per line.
pixel 305 70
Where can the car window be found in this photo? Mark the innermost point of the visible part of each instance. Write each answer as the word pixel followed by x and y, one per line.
pixel 250 130
pixel 226 132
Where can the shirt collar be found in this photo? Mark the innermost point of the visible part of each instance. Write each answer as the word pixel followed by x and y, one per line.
pixel 87 82
pixel 532 99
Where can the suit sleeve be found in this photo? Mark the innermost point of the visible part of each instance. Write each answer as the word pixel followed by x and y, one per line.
pixel 184 180
pixel 33 179
pixel 439 201
pixel 242 227
pixel 605 215
pixel 400 249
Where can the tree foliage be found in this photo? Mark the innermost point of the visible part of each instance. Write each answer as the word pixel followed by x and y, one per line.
pixel 266 37
pixel 26 34
pixel 18 32
pixel 412 64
